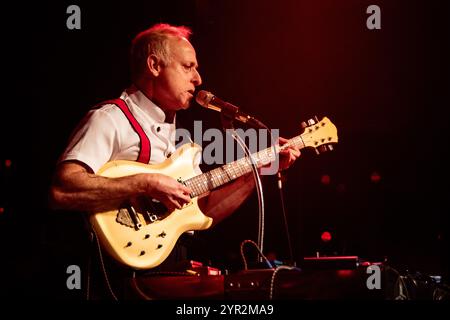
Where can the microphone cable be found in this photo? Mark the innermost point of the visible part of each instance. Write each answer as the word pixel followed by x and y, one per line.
pixel 283 206
pixel 259 189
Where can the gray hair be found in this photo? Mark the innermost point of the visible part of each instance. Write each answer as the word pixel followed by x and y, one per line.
pixel 154 41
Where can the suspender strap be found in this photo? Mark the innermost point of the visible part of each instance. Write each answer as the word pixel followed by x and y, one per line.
pixel 145 146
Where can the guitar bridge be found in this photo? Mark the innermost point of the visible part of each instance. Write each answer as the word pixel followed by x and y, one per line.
pixel 128 217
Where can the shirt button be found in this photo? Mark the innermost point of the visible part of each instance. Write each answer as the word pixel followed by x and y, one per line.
pixel 158 129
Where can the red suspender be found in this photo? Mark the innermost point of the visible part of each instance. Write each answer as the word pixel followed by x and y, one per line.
pixel 145 150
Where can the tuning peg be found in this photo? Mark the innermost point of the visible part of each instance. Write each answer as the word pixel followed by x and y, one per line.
pixel 316 118
pixel 303 124
pixel 323 148
pixel 311 122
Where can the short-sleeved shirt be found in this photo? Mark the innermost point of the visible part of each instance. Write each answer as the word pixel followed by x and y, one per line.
pixel 105 134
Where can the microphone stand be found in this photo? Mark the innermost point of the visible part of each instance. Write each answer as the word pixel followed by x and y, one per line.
pixel 227 117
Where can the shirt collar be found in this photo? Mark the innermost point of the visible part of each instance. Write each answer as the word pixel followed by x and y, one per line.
pixel 144 103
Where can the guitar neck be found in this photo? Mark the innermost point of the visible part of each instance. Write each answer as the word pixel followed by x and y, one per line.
pixel 215 178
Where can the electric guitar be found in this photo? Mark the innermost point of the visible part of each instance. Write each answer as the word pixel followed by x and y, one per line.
pixel 142 235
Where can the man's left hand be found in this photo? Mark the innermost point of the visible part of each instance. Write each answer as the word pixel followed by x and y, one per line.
pixel 288 155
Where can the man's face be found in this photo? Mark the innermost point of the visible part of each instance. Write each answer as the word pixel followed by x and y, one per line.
pixel 175 85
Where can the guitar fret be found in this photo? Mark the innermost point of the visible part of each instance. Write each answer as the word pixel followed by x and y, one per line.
pixel 215 178
pixel 233 171
pixel 192 184
pixel 236 170
pixel 239 167
pixel 188 184
pixel 226 174
pixel 244 165
pixel 205 183
pixel 226 171
pixel 198 184
pixel 221 176
pixel 230 171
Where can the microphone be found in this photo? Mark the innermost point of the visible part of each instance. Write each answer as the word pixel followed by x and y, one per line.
pixel 208 100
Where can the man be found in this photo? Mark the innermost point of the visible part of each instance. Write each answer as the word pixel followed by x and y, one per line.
pixel 164 74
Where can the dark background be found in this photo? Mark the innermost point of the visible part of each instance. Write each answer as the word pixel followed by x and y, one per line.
pixel 386 90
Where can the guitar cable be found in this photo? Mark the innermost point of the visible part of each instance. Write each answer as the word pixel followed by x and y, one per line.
pixel 257 248
pixel 108 284
pixel 274 274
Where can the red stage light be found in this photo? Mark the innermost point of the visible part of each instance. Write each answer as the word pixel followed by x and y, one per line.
pixel 326 236
pixel 325 179
pixel 375 177
pixel 345 273
pixel 8 163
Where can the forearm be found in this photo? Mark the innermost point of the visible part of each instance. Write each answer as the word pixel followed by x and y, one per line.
pixel 89 192
pixel 222 202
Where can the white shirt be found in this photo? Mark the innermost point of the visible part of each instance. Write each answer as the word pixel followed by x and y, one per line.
pixel 105 134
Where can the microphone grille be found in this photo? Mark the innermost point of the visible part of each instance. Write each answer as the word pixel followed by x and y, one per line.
pixel 203 98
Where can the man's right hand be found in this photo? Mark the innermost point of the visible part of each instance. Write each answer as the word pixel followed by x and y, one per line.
pixel 168 191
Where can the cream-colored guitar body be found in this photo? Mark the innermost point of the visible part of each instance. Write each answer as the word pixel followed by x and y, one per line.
pixel 148 245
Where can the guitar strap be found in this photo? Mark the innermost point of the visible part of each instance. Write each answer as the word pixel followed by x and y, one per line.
pixel 145 146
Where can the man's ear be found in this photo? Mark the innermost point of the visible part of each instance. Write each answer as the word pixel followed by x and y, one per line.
pixel 154 65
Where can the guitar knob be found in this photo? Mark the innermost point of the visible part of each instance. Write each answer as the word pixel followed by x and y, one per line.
pixel 303 124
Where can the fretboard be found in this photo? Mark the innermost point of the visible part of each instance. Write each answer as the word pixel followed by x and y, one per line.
pixel 215 178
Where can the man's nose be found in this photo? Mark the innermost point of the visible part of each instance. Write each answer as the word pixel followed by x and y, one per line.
pixel 197 79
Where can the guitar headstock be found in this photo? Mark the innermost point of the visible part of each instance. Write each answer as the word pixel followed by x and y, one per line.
pixel 319 135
